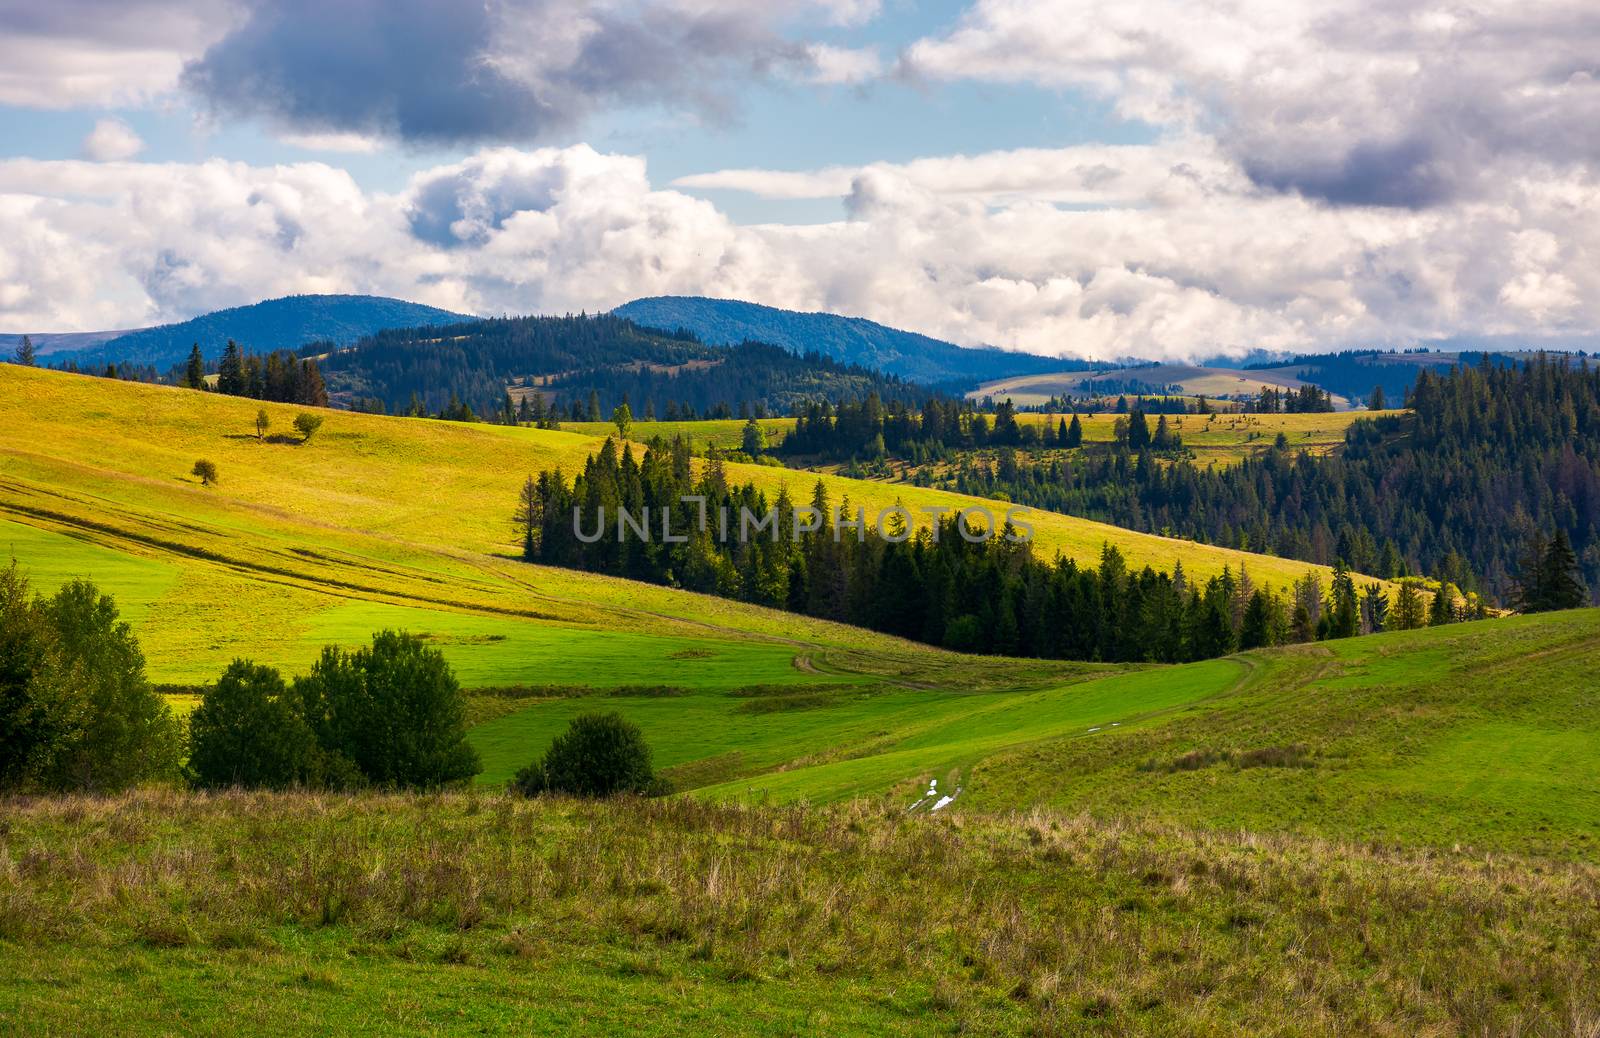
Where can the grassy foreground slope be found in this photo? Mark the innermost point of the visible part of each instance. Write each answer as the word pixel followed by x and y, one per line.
pixel 1482 735
pixel 389 521
pixel 282 914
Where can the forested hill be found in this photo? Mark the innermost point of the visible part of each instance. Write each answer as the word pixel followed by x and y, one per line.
pixel 1356 373
pixel 1490 458
pixel 273 324
pixel 850 340
pixel 570 361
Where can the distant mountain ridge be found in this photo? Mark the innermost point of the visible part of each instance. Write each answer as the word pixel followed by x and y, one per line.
pixel 288 322
pixel 849 340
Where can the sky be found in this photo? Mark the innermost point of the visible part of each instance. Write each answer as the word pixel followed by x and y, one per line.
pixel 1151 178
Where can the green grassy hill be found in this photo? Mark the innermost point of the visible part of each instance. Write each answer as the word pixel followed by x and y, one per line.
pixel 398 522
pixel 1388 835
pixel 1482 735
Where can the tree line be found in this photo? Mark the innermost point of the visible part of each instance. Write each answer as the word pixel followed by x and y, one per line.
pixel 941 428
pixel 1450 490
pixel 989 595
pixel 278 377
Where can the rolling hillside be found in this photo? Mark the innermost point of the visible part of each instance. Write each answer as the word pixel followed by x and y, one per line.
pixel 850 340
pixel 1188 380
pixel 377 521
pixel 876 836
pixel 273 324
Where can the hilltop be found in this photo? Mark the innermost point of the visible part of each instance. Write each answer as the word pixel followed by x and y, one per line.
pixel 273 324
pixel 566 359
pixel 851 340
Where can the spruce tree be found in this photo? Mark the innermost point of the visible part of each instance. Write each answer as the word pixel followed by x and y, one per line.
pixel 1559 584
pixel 230 374
pixel 1074 434
pixel 1442 609
pixel 194 374
pixel 25 352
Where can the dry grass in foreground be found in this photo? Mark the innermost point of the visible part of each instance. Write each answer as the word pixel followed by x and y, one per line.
pixel 256 913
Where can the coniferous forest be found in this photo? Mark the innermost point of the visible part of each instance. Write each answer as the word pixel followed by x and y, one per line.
pixel 1490 455
pixel 949 588
pixel 568 360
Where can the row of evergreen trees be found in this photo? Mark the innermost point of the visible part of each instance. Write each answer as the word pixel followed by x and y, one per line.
pixel 1450 490
pixel 869 428
pixel 989 596
pixel 279 376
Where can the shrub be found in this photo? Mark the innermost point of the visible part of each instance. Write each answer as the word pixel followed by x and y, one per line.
pixel 598 755
pixel 207 471
pixel 75 709
pixel 307 424
pixel 248 731
pixel 394 711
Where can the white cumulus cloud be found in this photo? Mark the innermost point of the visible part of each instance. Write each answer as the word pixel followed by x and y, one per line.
pixel 1192 258
pixel 111 140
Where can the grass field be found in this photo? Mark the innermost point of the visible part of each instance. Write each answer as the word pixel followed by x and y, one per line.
pixel 1227 439
pixel 160 913
pixel 1483 736
pixel 1035 390
pixel 1390 835
pixel 1223 439
pixel 382 521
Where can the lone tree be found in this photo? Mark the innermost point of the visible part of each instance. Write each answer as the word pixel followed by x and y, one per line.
pixel 206 471
pixel 263 423
pixel 25 354
pixel 194 375
pixel 622 418
pixel 1408 612
pixel 599 755
pixel 755 438
pixel 307 424
pixel 1377 402
pixel 529 518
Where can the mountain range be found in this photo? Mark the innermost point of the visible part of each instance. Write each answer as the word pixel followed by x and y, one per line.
pixel 273 324
pixel 849 340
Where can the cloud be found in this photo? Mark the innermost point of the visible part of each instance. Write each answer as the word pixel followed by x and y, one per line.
pixel 1355 102
pixel 833 66
pixel 111 140
pixel 1190 261
pixel 347 143
pixel 101 52
pixel 1087 175
pixel 441 73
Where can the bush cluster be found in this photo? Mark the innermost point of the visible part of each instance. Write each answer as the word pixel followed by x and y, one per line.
pixel 390 715
pixel 77 712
